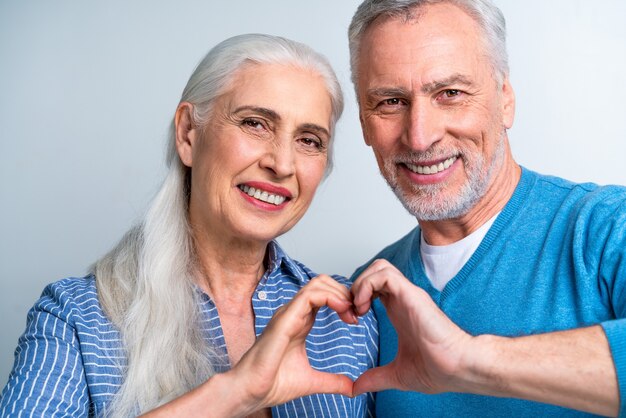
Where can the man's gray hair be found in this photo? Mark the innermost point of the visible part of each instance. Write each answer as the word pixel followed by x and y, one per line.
pixel 489 18
pixel 146 283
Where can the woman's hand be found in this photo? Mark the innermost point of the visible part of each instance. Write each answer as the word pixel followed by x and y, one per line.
pixel 276 369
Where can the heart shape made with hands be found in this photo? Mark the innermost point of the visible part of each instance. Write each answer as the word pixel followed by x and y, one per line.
pixel 430 347
pixel 424 358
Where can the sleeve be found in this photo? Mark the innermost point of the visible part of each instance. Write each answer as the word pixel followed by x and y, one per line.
pixel 616 335
pixel 607 241
pixel 47 378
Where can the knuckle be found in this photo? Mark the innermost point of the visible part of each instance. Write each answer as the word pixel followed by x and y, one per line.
pixel 324 278
pixel 381 263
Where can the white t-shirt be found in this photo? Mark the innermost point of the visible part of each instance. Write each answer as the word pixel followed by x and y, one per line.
pixel 443 262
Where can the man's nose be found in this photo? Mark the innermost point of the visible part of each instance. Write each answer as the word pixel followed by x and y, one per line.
pixel 424 127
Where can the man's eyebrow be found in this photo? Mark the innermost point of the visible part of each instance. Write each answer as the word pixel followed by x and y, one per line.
pixel 269 113
pixel 387 92
pixel 446 82
pixel 458 79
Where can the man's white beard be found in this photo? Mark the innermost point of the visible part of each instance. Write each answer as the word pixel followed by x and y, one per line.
pixel 428 202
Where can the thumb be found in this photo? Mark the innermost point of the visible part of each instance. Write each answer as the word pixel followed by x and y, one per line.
pixel 374 380
pixel 323 382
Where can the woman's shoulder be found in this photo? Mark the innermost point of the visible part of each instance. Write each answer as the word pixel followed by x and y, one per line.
pixel 73 299
pixel 73 287
pixel 72 305
pixel 70 291
pixel 67 343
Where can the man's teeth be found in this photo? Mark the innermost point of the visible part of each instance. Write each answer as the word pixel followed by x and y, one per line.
pixel 432 169
pixel 263 196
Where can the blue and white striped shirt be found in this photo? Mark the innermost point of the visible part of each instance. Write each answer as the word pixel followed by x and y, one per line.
pixel 67 360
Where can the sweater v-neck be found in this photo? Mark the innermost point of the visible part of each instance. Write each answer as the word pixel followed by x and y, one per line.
pixel 508 213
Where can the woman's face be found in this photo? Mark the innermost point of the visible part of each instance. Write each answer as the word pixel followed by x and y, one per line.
pixel 257 163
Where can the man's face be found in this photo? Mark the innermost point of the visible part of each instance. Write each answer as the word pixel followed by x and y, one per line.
pixel 432 110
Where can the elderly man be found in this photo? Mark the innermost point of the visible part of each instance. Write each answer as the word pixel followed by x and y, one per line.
pixel 516 280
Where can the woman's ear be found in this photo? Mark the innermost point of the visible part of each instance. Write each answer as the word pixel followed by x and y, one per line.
pixel 186 133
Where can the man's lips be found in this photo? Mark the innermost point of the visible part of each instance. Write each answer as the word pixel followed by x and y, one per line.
pixel 432 168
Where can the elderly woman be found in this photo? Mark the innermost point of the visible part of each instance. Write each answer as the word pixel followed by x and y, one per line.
pixel 170 321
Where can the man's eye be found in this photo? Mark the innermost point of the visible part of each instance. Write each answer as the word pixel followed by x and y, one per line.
pixel 452 93
pixel 392 102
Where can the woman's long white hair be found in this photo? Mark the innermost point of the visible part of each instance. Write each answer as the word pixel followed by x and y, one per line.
pixel 145 284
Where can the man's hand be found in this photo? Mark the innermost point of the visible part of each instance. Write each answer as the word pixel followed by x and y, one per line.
pixel 430 346
pixel 572 368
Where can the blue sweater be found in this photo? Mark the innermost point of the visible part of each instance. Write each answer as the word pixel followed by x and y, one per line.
pixel 554 259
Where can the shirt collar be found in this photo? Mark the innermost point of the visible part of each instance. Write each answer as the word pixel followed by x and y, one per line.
pixel 278 263
pixel 278 259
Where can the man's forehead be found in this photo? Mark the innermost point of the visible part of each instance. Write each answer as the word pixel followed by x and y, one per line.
pixel 408 15
pixel 443 16
pixel 436 49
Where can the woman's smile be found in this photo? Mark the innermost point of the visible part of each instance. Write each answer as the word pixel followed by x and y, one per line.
pixel 265 196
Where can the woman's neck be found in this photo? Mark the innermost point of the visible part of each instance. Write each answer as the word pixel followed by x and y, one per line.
pixel 229 269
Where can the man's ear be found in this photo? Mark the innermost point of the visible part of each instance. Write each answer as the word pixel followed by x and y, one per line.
pixel 508 103
pixel 186 133
pixel 364 130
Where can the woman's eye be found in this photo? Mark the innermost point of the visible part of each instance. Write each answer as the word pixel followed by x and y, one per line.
pixel 253 123
pixel 311 142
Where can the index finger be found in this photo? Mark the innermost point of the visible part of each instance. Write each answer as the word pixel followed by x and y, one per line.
pixel 296 317
pixel 380 277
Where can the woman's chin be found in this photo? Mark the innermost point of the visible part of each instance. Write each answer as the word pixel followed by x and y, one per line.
pixel 260 235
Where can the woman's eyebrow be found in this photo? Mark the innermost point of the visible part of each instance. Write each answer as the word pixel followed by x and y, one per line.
pixel 315 128
pixel 273 115
pixel 269 113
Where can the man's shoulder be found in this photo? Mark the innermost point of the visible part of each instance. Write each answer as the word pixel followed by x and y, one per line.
pixel 397 253
pixel 583 195
pixel 552 181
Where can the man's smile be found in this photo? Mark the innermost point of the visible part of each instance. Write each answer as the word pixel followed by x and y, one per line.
pixel 432 169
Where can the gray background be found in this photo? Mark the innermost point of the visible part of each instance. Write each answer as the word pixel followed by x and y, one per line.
pixel 87 90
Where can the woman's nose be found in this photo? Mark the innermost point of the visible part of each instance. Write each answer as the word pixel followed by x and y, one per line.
pixel 280 159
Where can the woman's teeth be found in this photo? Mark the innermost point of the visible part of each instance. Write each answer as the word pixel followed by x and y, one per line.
pixel 261 195
pixel 432 169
